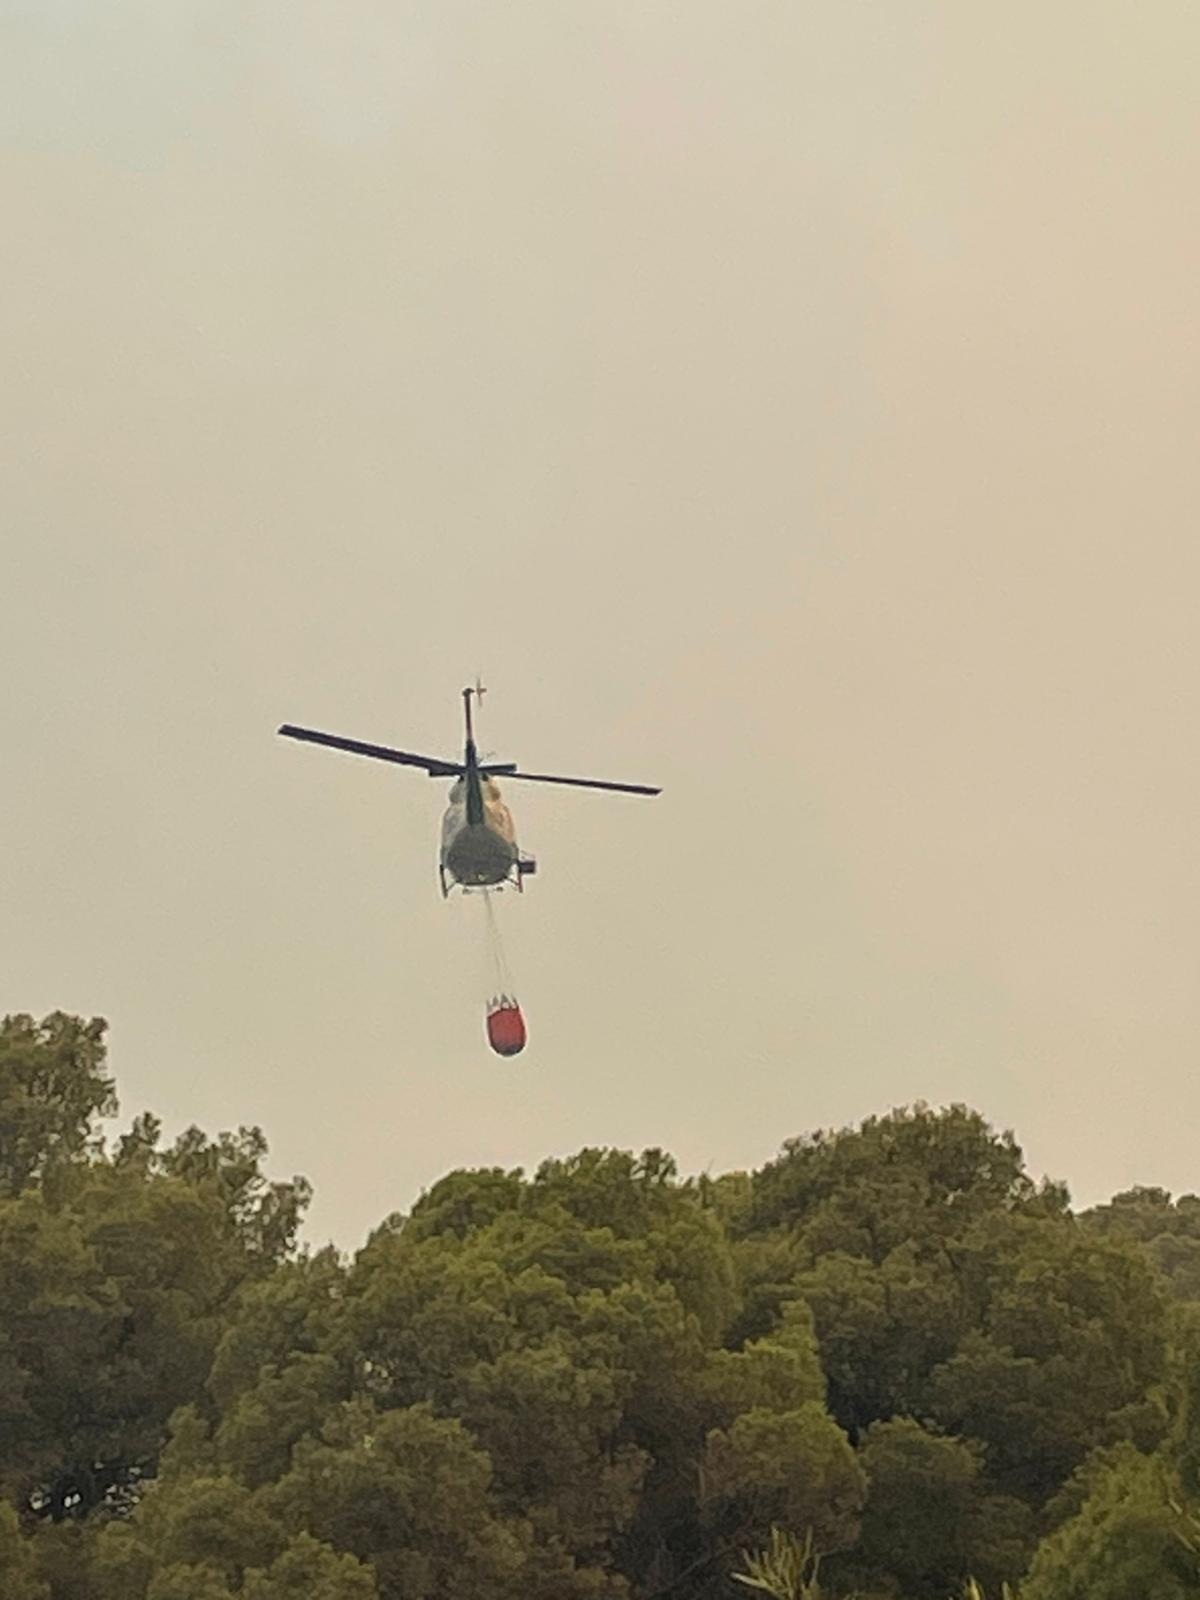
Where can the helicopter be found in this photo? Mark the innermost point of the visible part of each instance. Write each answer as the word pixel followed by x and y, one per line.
pixel 479 844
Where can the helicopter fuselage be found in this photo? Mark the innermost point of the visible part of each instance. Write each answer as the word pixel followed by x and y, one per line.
pixel 479 839
pixel 479 842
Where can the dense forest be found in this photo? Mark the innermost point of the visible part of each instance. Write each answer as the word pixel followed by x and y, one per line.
pixel 886 1364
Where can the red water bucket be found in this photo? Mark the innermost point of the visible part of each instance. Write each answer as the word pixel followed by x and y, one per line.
pixel 505 1026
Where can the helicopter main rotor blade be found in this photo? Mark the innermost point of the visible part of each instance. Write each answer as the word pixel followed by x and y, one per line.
pixel 379 752
pixel 585 783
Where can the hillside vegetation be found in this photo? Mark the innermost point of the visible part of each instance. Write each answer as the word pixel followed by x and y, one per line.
pixel 597 1381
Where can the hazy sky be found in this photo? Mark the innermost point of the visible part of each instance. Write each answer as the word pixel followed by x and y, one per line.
pixel 791 404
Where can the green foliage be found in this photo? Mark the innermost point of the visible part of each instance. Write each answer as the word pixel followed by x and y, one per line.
pixel 930 1519
pixel 209 1521
pixel 255 1438
pixel 313 1570
pixel 463 1202
pixel 53 1088
pixel 549 1422
pixel 1169 1231
pixel 19 1575
pixel 567 1347
pixel 115 1299
pixel 889 1354
pixel 1130 1540
pixel 1185 1437
pixel 116 1272
pixel 410 1492
pixel 794 1469
pixel 779 1372
pixel 65 1554
pixel 871 1226
pixel 294 1311
pixel 188 1582
pixel 260 1216
pixel 1069 1335
pixel 883 1329
pixel 913 1175
pixel 194 1534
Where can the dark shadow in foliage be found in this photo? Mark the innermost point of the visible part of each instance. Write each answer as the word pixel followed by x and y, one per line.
pixel 930 1521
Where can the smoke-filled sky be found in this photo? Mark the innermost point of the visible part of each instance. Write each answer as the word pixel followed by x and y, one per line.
pixel 791 404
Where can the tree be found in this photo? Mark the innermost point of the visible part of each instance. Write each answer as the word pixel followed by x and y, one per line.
pixel 1131 1540
pixel 585 1384
pixel 152 1563
pixel 554 1343
pixel 409 1492
pixel 1168 1230
pixel 548 1416
pixel 881 1329
pixel 192 1535
pixel 314 1571
pixel 914 1175
pixel 465 1201
pixel 116 1271
pixel 263 1217
pixel 779 1372
pixel 255 1439
pixel 116 1295
pixel 64 1322
pixel 1069 1337
pixel 1182 1447
pixel 867 1225
pixel 53 1088
pixel 929 1520
pixel 296 1310
pixel 791 1469
pixel 19 1576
